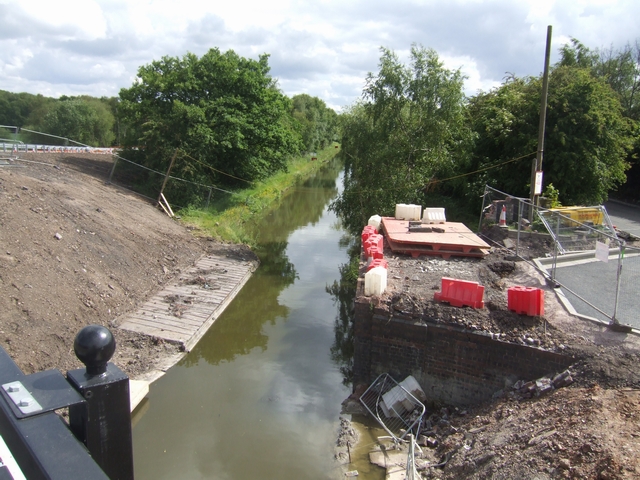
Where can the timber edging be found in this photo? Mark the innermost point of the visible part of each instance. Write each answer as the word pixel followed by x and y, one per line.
pixel 184 310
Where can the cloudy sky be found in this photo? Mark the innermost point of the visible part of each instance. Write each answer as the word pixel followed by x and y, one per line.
pixel 324 47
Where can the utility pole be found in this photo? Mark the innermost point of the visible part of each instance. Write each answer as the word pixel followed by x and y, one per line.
pixel 536 168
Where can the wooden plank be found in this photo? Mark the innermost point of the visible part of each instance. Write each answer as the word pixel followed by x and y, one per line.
pixel 159 323
pixel 156 332
pixel 166 322
pixel 204 305
pixel 200 333
pixel 162 308
pixel 168 335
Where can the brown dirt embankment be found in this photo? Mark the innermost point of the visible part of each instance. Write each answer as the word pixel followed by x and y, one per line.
pixel 73 252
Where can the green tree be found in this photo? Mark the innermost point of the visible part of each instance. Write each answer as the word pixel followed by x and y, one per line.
pixel 409 125
pixel 317 122
pixel 505 123
pixel 85 120
pixel 222 109
pixel 22 109
pixel 587 137
pixel 620 69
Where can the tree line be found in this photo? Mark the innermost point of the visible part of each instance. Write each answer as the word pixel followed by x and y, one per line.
pixel 224 113
pixel 414 135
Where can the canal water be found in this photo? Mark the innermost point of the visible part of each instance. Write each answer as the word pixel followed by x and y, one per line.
pixel 259 397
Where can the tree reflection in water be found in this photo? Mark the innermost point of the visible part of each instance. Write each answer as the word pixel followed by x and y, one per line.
pixel 344 293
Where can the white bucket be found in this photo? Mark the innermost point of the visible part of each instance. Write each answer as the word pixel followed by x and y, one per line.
pixel 408 211
pixel 375 281
pixel 374 221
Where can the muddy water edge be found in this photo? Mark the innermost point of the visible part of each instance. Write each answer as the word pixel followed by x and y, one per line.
pixel 260 395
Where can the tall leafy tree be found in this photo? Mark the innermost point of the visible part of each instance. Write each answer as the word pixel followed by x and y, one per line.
pixel 587 137
pixel 22 109
pixel 84 119
pixel 317 123
pixel 222 109
pixel 620 69
pixel 409 124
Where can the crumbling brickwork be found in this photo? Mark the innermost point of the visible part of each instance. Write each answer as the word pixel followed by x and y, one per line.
pixel 454 366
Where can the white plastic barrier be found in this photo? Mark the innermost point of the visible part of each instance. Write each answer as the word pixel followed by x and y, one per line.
pixel 374 221
pixel 408 212
pixel 375 281
pixel 434 215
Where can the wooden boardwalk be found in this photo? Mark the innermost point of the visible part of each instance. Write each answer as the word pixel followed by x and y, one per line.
pixel 183 312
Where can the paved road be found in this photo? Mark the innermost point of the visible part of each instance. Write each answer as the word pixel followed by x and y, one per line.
pixel 596 281
pixel 625 217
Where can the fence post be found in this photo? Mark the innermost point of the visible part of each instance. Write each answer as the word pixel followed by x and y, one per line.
pixel 113 169
pixel 519 227
pixel 621 245
pixel 104 423
pixel 208 198
pixel 555 250
pixel 166 177
pixel 484 196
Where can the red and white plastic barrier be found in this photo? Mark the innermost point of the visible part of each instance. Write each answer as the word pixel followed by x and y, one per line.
pixel 526 300
pixel 460 293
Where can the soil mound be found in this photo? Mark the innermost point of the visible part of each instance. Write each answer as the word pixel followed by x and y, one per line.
pixel 73 252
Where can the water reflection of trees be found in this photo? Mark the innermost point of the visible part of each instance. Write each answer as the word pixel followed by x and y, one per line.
pixel 303 205
pixel 344 293
pixel 240 329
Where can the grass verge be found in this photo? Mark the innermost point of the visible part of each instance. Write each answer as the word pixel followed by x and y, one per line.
pixel 228 217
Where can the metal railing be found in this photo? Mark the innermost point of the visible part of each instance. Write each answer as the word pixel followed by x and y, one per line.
pixel 577 249
pixel 36 445
pixel 396 409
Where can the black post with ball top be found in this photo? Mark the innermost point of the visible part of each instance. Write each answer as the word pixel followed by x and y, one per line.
pixel 103 422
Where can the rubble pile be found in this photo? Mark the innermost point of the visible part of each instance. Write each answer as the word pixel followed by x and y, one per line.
pixel 580 423
pixel 541 386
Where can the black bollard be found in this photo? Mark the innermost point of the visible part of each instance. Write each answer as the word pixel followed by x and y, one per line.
pixel 104 423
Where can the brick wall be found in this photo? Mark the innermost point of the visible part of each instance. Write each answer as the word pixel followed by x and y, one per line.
pixel 453 366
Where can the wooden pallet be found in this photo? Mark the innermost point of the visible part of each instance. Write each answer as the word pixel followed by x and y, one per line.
pixel 452 239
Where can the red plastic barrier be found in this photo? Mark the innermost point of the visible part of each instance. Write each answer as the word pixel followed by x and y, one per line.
pixel 367 232
pixel 373 241
pixel 375 253
pixel 460 293
pixel 526 300
pixel 378 262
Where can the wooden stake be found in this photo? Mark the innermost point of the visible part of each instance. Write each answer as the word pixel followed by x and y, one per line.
pixel 167 204
pixel 164 208
pixel 113 169
pixel 166 177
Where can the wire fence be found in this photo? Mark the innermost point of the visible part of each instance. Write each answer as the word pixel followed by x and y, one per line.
pixel 123 172
pixel 17 139
pixel 179 192
pixel 576 248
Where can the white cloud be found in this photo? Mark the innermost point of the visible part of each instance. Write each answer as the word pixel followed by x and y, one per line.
pixel 80 18
pixel 322 48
